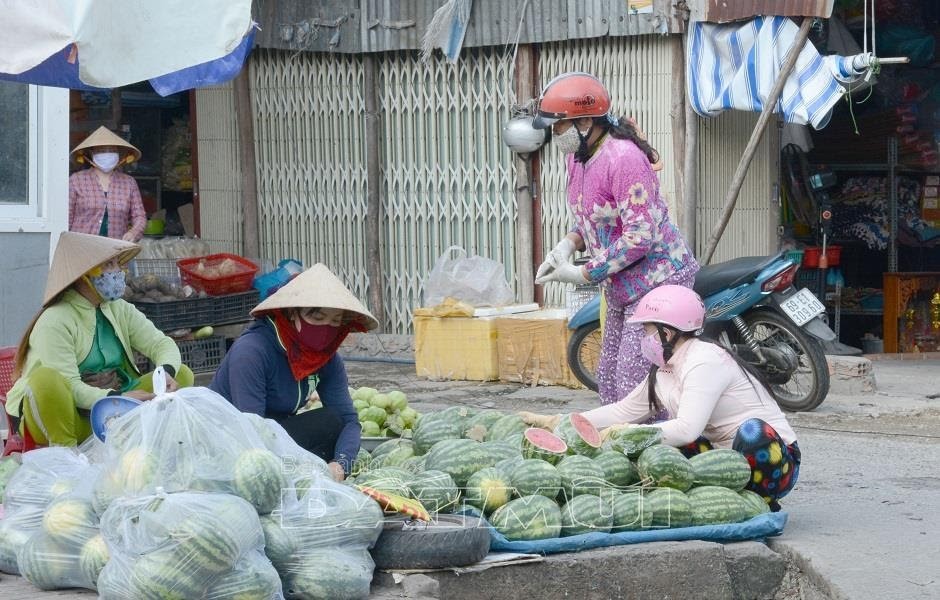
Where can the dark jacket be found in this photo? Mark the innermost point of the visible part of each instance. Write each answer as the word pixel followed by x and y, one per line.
pixel 256 377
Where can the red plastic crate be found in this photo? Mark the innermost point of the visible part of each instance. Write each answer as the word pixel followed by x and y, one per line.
pixel 234 283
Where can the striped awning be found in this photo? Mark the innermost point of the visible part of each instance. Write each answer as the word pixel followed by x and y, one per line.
pixel 735 66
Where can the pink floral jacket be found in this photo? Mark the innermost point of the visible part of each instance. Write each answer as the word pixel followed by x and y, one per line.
pixel 624 222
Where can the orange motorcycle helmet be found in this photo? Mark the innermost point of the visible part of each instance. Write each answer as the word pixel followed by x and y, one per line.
pixel 571 96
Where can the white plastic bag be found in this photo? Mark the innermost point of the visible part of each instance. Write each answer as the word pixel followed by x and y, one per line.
pixel 476 280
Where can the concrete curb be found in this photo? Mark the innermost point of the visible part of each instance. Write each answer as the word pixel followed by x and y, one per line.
pixel 809 571
pixel 693 569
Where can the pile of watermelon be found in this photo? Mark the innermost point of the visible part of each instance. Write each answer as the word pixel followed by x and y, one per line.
pixel 535 484
pixel 383 414
pixel 190 499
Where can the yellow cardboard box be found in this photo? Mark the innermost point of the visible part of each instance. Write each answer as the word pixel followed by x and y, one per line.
pixel 456 348
pixel 533 348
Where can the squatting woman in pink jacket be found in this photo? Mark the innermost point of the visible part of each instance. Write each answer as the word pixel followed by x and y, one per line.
pixel 710 397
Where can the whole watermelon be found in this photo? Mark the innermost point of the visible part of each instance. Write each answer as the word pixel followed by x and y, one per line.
pixel 586 513
pixel 666 467
pixel 435 490
pixel 487 490
pixel 254 578
pixel 528 518
pixel 258 478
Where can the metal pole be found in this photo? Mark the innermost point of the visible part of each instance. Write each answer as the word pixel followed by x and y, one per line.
pixel 892 204
pixel 373 192
pixel 525 273
pixel 741 172
pixel 251 245
pixel 677 113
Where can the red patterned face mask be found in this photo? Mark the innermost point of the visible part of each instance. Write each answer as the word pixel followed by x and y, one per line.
pixel 316 337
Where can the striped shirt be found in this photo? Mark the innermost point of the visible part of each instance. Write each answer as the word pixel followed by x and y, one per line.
pixel 735 66
pixel 87 203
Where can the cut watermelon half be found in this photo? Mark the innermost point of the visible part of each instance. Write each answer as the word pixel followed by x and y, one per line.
pixel 545 440
pixel 538 443
pixel 586 430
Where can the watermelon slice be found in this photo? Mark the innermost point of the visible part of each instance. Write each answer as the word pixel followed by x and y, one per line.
pixel 580 434
pixel 538 443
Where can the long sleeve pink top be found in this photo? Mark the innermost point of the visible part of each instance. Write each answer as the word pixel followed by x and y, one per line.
pixel 705 392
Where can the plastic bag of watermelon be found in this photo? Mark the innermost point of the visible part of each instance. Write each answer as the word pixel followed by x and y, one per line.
pixel 195 440
pixel 45 475
pixel 67 550
pixel 185 545
pixel 319 542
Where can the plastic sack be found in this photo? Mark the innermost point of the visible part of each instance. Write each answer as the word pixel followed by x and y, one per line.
pixel 319 542
pixel 8 466
pixel 270 281
pixel 476 280
pixel 195 440
pixel 184 545
pixel 67 551
pixel 46 474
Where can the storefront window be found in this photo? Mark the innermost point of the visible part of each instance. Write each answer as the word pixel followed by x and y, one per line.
pixel 14 143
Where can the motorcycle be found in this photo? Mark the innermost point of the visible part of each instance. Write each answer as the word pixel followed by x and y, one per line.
pixel 753 309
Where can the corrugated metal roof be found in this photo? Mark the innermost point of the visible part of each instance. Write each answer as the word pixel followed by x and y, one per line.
pixel 386 25
pixel 722 11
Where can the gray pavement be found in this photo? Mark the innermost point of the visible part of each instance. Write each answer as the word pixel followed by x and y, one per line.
pixel 864 517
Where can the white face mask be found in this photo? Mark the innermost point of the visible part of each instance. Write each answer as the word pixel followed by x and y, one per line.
pixel 569 141
pixel 106 161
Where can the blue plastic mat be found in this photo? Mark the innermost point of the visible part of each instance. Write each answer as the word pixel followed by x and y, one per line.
pixel 761 526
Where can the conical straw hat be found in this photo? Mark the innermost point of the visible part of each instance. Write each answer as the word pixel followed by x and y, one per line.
pixel 317 287
pixel 104 137
pixel 78 253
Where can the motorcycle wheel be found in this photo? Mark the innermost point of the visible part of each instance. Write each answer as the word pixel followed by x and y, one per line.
pixel 808 386
pixel 584 353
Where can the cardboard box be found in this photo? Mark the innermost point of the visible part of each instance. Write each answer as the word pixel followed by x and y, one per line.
pixel 456 348
pixel 533 348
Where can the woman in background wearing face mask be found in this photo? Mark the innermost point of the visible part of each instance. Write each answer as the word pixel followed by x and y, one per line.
pixel 296 334
pixel 80 347
pixel 102 200
pixel 620 217
pixel 709 396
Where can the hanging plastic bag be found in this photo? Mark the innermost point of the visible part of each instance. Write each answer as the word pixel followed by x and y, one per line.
pixel 476 280
pixel 182 546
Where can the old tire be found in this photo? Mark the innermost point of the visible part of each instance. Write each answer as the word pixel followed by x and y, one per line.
pixel 447 541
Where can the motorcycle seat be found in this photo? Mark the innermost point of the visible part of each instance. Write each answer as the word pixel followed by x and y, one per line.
pixel 731 274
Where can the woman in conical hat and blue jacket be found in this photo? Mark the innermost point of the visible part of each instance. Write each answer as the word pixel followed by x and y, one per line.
pixel 296 334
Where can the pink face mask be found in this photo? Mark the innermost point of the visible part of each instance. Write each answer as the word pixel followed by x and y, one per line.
pixel 651 348
pixel 317 337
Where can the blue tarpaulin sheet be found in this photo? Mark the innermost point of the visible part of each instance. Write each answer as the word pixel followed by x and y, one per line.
pixel 61 70
pixel 759 527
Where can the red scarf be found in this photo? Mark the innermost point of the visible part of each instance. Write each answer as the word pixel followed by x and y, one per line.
pixel 302 360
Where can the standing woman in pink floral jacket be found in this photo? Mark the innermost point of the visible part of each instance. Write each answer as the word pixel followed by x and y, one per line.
pixel 621 220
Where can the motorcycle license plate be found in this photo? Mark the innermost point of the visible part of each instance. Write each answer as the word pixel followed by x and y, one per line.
pixel 802 307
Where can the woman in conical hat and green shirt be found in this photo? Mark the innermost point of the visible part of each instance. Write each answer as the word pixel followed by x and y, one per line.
pixel 80 346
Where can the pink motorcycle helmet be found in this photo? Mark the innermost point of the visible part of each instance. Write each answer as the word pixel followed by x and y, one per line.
pixel 673 305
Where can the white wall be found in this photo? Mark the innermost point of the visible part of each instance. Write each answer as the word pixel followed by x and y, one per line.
pixel 29 232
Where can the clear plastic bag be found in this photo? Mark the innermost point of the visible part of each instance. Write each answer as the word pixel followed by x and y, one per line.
pixel 193 440
pixel 47 474
pixel 182 545
pixel 319 541
pixel 476 280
